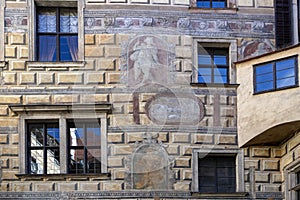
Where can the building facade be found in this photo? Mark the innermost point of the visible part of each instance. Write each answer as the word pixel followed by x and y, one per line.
pixel 148 99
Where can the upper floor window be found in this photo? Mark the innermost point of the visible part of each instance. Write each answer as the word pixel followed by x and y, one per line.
pixel 213 65
pixel 284 27
pixel 217 174
pixel 211 3
pixel 276 75
pixel 57 34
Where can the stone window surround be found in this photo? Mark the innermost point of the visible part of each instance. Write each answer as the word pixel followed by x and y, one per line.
pixel 32 23
pixel 61 113
pixel 232 3
pixel 240 185
pixel 291 179
pixel 232 54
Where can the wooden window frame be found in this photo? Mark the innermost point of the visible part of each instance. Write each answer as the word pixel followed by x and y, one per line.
pixel 84 147
pixel 57 33
pixel 43 147
pixel 275 87
pixel 217 175
pixel 239 155
pixel 211 53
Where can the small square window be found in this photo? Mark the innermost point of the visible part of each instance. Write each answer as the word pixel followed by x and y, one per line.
pixel 57 34
pixel 211 3
pixel 213 65
pixel 217 174
pixel 276 75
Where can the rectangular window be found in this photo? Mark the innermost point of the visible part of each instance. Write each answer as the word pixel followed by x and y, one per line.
pixel 275 75
pixel 84 147
pixel 283 17
pixel 211 3
pixel 217 174
pixel 43 148
pixel 57 34
pixel 45 144
pixel 213 65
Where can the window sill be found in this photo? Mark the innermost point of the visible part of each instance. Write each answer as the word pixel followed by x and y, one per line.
pixel 58 65
pixel 62 177
pixel 215 85
pixel 213 10
pixel 221 195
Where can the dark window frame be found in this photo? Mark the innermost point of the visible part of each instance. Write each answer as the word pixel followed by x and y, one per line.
pixel 210 51
pixel 57 33
pixel 211 4
pixel 85 123
pixel 217 175
pixel 275 87
pixel 44 147
pixel 283 23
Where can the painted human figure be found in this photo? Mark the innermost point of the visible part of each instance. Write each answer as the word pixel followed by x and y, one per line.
pixel 145 58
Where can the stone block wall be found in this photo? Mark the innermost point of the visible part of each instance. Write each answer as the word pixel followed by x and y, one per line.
pixel 266 161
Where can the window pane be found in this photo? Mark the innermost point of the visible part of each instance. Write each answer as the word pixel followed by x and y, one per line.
pixel 220 79
pixel 93 136
pixel 77 136
pixel 220 60
pixel 203 4
pixel 36 132
pixel 264 78
pixel 263 69
pixel 218 4
pixel 220 71
pixel 94 160
pixel 47 48
pixel 47 20
pixel 68 20
pixel 285 82
pixel 53 161
pixel 204 71
pixel 285 73
pixel 265 86
pixel 52 135
pixel 76 162
pixel 287 63
pixel 36 161
pixel 204 79
pixel 204 60
pixel 68 48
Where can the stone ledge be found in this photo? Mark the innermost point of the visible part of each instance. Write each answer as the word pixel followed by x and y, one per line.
pixel 61 177
pixel 220 195
pixel 105 107
pixel 34 64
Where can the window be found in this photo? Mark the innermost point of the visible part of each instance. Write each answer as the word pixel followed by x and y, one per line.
pixel 212 65
pixel 275 75
pixel 217 174
pixel 57 34
pixel 84 147
pixel 43 148
pixel 211 3
pixel 283 17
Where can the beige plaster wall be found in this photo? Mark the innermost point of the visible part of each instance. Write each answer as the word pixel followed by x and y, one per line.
pixel 258 113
